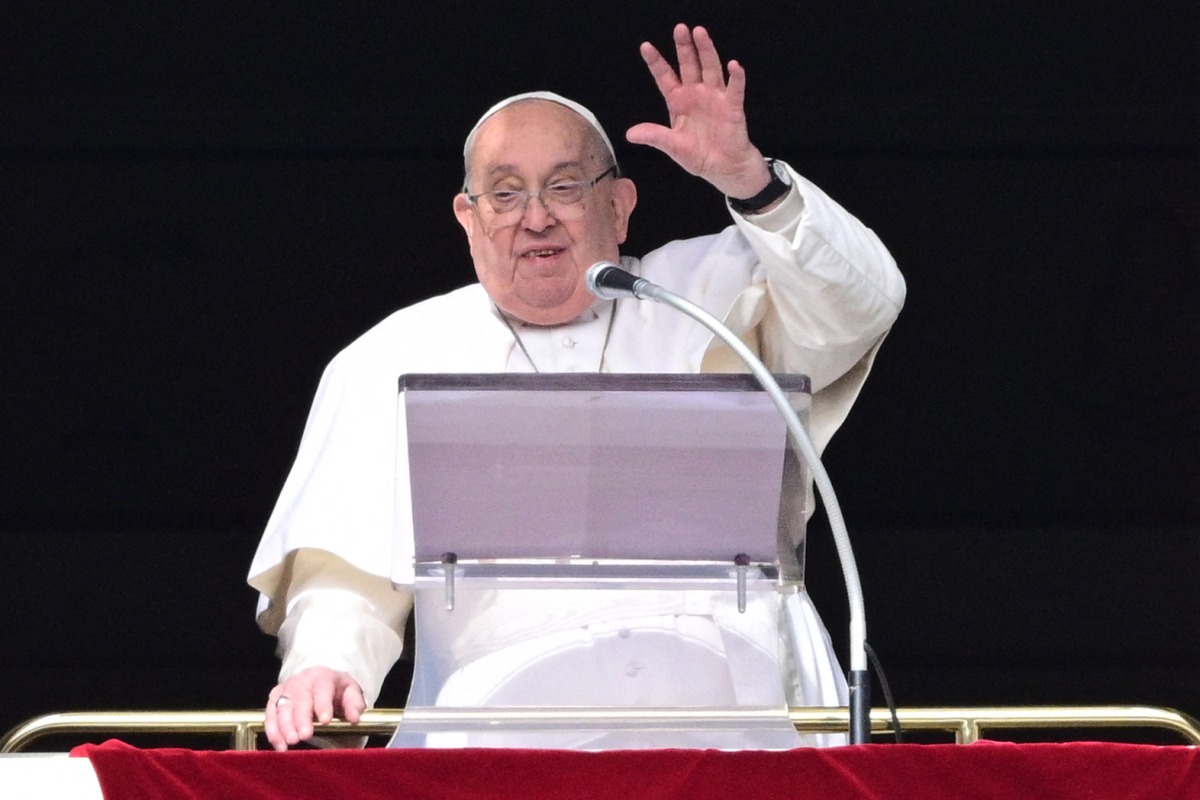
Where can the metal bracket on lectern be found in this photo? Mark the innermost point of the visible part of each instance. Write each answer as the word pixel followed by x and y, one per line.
pixel 595 572
pixel 449 563
pixel 742 563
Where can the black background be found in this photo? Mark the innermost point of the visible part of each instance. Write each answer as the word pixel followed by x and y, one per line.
pixel 202 203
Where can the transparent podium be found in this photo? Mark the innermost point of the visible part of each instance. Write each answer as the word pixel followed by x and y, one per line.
pixel 606 562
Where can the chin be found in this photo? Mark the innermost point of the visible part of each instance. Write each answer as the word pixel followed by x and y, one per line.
pixel 544 316
pixel 551 308
pixel 558 313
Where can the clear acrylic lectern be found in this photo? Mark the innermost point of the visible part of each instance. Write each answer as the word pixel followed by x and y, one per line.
pixel 601 561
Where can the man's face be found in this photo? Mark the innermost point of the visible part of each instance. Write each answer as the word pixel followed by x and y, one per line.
pixel 533 266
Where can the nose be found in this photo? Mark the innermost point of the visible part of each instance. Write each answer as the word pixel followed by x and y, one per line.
pixel 536 216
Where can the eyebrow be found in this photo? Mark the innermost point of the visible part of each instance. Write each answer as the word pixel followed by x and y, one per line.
pixel 511 169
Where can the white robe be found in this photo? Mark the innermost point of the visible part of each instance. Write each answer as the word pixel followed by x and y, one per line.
pixel 807 286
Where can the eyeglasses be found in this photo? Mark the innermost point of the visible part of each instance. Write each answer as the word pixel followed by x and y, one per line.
pixel 507 206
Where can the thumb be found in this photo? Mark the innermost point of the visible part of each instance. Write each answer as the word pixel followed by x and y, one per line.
pixel 652 134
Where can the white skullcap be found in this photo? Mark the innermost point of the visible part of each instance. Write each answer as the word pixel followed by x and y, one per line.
pixel 553 98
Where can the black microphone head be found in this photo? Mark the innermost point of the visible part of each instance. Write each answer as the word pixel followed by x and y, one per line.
pixel 606 280
pixel 593 277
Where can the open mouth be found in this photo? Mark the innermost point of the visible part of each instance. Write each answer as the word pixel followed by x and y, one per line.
pixel 537 254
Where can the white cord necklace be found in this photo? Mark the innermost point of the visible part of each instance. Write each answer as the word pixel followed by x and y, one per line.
pixel 525 351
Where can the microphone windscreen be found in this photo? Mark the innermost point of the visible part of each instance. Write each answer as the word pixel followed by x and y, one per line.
pixel 606 280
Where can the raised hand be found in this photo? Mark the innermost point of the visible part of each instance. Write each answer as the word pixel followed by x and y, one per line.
pixel 707 135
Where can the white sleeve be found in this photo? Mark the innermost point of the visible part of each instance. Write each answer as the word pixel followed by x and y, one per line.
pixel 341 630
pixel 825 294
pixel 834 289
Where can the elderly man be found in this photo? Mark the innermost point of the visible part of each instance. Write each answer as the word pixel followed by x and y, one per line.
pixel 795 275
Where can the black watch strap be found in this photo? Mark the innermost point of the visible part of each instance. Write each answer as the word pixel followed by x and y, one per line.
pixel 774 190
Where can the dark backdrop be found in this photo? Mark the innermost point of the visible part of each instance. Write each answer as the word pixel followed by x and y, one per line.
pixel 203 202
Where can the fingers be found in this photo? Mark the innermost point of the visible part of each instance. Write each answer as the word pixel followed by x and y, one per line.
pixel 352 702
pixel 297 718
pixel 711 73
pixel 271 721
pixel 685 53
pixel 697 57
pixel 313 694
pixel 322 700
pixel 280 724
pixel 289 716
pixel 735 91
pixel 660 68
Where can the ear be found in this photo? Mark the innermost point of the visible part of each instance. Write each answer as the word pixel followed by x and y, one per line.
pixel 462 211
pixel 624 198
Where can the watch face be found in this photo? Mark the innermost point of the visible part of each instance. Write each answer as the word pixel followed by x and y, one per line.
pixel 781 172
pixel 780 184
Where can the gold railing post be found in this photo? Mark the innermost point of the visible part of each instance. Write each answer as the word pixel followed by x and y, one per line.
pixel 245 737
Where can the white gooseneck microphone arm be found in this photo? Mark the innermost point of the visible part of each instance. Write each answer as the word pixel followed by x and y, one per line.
pixel 608 281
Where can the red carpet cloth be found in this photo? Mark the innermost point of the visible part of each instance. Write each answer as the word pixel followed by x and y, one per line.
pixel 895 772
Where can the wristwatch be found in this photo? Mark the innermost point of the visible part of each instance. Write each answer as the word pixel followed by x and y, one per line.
pixel 781 181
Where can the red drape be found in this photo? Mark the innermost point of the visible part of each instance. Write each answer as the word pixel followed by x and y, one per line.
pixel 928 772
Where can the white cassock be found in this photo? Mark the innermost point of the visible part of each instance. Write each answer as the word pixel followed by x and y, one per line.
pixel 806 285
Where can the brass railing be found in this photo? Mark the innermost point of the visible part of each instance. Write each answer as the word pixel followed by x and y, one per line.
pixel 966 724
